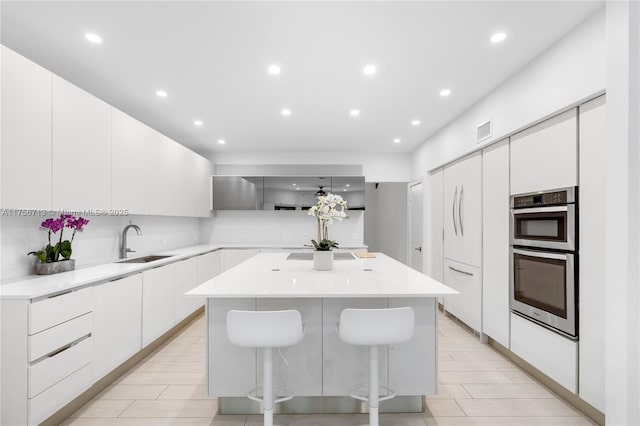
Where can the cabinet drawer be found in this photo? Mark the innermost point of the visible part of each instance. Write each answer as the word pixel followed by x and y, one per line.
pixel 467 280
pixel 58 366
pixel 46 313
pixel 58 395
pixel 49 340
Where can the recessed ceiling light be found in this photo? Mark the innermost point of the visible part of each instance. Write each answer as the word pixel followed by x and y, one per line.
pixel 347 185
pixel 369 70
pixel 415 122
pixel 354 112
pixel 286 112
pixel 161 93
pixel 197 123
pixel 498 37
pixel 93 38
pixel 445 92
pixel 297 189
pixel 344 190
pixel 274 69
pixel 396 140
pixel 221 141
pixel 294 184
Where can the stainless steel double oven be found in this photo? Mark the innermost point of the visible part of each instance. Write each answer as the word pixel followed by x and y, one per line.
pixel 544 258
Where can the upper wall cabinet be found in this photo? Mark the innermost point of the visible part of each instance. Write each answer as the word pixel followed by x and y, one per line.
pixel 26 133
pixel 162 164
pixel 132 143
pixel 192 183
pixel 545 156
pixel 81 149
pixel 283 192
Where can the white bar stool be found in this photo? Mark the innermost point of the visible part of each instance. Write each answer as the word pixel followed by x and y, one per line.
pixel 375 327
pixel 265 330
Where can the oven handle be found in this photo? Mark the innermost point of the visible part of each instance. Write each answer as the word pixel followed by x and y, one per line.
pixel 544 255
pixel 541 210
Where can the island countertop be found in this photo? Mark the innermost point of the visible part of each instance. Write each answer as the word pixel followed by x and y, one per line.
pixel 272 275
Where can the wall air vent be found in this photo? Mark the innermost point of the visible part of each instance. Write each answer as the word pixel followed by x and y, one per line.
pixel 484 131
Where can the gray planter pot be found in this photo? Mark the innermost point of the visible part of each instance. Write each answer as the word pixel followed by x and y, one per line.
pixel 55 267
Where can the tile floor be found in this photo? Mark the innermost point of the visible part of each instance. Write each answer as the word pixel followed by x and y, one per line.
pixel 478 386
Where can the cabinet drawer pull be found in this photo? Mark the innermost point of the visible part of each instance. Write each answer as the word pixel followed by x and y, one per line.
pixel 59 294
pixel 462 272
pixel 59 351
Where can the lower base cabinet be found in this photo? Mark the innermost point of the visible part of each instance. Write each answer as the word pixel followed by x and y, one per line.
pixel 186 279
pixel 158 302
pixel 467 280
pixel 117 329
pixel 554 355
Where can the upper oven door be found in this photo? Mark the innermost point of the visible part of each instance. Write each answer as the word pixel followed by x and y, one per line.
pixel 545 227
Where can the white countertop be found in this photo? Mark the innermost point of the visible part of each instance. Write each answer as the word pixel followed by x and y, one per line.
pixel 36 286
pixel 271 275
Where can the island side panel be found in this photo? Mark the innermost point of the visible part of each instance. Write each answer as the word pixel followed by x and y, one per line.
pixel 232 369
pixel 346 366
pixel 413 365
pixel 302 373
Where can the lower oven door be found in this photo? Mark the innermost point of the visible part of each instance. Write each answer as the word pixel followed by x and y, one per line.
pixel 543 288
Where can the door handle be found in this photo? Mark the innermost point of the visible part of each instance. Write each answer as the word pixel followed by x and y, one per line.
pixel 459 271
pixel 460 209
pixel 453 211
pixel 418 248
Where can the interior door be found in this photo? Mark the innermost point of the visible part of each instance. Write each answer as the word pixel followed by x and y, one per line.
pixel 416 220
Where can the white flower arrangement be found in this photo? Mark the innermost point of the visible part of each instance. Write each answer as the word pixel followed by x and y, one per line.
pixel 329 207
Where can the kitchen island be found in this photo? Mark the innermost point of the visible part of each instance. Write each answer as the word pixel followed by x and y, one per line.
pixel 321 370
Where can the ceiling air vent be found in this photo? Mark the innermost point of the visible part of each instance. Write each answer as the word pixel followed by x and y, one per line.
pixel 484 131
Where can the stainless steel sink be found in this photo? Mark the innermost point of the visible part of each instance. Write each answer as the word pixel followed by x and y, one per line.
pixel 145 259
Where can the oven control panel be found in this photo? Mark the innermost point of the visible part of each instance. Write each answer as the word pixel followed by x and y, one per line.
pixel 543 199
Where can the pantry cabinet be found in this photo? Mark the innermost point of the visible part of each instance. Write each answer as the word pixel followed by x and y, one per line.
pixel 81 160
pixel 463 210
pixel 26 133
pixel 495 242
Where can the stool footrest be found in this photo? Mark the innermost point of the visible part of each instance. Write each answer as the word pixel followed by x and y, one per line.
pixel 286 394
pixel 355 395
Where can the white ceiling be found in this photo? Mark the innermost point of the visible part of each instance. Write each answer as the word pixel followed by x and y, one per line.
pixel 212 58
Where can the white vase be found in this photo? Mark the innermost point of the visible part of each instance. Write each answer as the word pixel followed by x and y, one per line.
pixel 323 260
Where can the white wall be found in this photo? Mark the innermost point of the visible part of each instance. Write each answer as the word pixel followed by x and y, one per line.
pixel 569 72
pixel 376 167
pixel 278 227
pixel 98 243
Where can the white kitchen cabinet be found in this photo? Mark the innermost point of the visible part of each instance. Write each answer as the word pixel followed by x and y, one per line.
pixel 545 156
pixel 436 226
pixel 186 279
pixel 467 280
pixel 593 148
pixel 345 366
pixel 495 242
pixel 302 372
pixel 553 354
pixel 132 143
pixel 233 257
pixel 192 183
pixel 81 159
pixel 158 302
pixel 404 377
pixel 463 210
pixel 208 265
pixel 26 133
pixel 117 327
pixel 161 168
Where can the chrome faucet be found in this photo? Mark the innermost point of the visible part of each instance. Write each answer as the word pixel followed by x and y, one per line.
pixel 123 246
